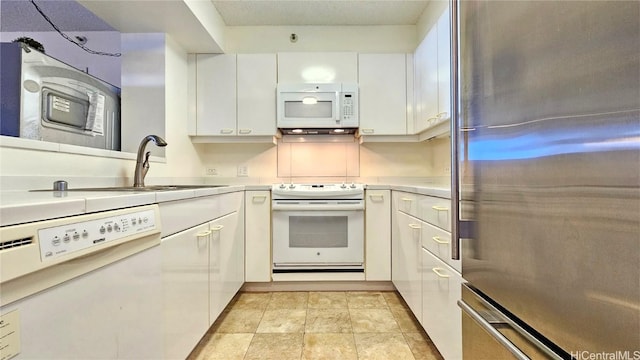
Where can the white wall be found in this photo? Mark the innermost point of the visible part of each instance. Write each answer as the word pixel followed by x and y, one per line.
pixel 271 39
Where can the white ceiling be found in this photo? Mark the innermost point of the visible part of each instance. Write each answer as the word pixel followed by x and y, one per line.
pixel 21 15
pixel 320 12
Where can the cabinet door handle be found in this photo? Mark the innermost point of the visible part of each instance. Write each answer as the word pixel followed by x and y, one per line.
pixel 217 227
pixel 259 198
pixel 367 131
pixel 440 208
pixel 376 197
pixel 226 131
pixel 439 241
pixel 244 131
pixel 438 272
pixel 406 199
pixel 203 234
pixel 442 115
pixel 415 226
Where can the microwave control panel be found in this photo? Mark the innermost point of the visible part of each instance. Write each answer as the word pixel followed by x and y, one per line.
pixel 349 99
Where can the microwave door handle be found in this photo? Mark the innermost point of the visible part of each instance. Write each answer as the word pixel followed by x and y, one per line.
pixel 337 106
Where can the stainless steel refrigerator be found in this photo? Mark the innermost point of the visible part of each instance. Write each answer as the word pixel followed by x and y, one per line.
pixel 546 147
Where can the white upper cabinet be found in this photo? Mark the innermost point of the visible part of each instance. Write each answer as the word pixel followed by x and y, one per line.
pixel 426 63
pixel 235 98
pixel 432 63
pixel 318 67
pixel 444 66
pixel 256 84
pixel 216 94
pixel 383 94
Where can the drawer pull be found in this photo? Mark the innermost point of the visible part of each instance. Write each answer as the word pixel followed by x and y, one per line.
pixel 406 199
pixel 217 228
pixel 259 198
pixel 439 241
pixel 376 197
pixel 415 226
pixel 440 208
pixel 438 272
pixel 203 234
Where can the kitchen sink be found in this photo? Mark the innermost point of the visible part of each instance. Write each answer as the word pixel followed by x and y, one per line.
pixel 145 188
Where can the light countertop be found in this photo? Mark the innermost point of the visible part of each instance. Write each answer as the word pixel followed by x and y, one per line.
pixel 430 190
pixel 21 206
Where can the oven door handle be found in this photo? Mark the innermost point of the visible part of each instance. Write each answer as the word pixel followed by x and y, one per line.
pixel 324 206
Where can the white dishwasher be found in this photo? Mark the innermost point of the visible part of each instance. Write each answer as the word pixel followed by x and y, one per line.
pixel 81 287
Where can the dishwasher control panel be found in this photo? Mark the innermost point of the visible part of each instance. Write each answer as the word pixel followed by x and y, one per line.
pixel 65 239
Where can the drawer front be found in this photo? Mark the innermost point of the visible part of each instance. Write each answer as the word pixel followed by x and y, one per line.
pixel 436 211
pixel 230 202
pixel 406 203
pixel 438 242
pixel 441 317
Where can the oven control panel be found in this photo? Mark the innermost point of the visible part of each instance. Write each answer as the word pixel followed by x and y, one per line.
pixel 65 239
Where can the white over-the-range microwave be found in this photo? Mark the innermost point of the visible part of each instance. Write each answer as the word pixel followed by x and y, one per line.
pixel 317 106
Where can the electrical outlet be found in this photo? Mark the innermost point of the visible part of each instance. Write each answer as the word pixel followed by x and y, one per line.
pixel 243 170
pixel 212 171
pixel 447 170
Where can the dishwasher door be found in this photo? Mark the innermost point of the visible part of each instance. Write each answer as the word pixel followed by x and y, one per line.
pixel 82 287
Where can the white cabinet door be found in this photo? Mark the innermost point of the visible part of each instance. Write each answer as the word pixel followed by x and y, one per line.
pixel 444 66
pixel 216 94
pixel 226 266
pixel 256 86
pixel 383 94
pixel 407 259
pixel 441 317
pixel 318 67
pixel 378 235
pixel 426 63
pixel 185 280
pixel 258 236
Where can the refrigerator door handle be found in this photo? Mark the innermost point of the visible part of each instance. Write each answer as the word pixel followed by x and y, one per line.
pixel 492 331
pixel 455 127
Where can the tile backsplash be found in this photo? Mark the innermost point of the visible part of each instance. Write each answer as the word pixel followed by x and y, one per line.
pixel 337 156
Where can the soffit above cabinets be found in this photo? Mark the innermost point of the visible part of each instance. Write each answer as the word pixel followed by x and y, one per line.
pixel 320 12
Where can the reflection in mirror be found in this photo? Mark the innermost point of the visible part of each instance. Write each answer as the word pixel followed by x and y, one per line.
pixel 66 90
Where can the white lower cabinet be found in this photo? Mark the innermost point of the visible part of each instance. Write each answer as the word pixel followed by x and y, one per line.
pixel 226 262
pixel 202 266
pixel 185 278
pixel 407 261
pixel 422 269
pixel 441 317
pixel 378 235
pixel 258 236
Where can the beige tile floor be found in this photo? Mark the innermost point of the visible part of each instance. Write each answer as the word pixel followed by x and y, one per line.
pixel 316 325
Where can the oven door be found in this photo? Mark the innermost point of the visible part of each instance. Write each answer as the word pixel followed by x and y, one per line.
pixel 317 239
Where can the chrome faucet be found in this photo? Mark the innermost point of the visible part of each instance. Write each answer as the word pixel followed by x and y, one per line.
pixel 142 166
